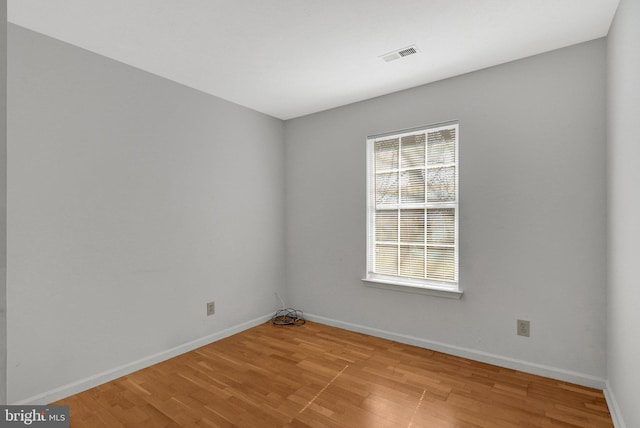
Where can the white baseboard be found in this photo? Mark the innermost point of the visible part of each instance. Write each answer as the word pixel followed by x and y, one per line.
pixel 109 375
pixel 472 354
pixel 525 366
pixel 614 409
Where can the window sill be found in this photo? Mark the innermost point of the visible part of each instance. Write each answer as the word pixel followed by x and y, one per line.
pixel 412 288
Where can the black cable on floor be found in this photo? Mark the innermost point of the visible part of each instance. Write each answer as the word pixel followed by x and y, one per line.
pixel 288 316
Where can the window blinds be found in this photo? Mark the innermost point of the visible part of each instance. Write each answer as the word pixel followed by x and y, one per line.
pixel 413 205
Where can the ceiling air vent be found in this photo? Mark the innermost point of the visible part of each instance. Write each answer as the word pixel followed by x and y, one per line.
pixel 400 53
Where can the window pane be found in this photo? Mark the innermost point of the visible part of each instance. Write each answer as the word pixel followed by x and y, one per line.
pixel 441 147
pixel 412 226
pixel 441 226
pixel 387 188
pixel 412 186
pixel 441 263
pixel 386 225
pixel 412 151
pixel 441 184
pixel 412 261
pixel 387 154
pixel 386 259
pixel 413 200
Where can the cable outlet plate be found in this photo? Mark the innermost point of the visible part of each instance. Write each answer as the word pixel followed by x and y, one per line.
pixel 523 328
pixel 211 308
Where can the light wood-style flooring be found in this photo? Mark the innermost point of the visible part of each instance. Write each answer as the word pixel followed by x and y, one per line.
pixel 319 376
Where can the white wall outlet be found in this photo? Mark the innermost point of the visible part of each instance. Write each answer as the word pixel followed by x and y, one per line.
pixel 523 328
pixel 211 308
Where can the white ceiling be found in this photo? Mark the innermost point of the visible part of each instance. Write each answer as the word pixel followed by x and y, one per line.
pixel 288 58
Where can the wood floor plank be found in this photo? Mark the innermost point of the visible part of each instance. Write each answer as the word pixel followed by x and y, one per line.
pixel 315 376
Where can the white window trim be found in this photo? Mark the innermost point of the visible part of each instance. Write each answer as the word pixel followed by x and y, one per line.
pixel 404 284
pixel 405 287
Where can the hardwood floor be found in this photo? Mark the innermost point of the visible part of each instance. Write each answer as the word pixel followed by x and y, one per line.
pixel 319 376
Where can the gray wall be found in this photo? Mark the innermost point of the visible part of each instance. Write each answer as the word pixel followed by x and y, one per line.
pixel 132 201
pixel 3 201
pixel 532 180
pixel 623 179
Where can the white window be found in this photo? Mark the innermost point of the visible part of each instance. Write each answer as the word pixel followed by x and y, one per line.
pixel 412 208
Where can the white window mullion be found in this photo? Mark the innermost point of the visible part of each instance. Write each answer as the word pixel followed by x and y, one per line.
pixel 426 210
pixel 424 255
pixel 399 200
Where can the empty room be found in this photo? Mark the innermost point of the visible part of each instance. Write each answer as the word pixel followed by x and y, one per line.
pixel 285 213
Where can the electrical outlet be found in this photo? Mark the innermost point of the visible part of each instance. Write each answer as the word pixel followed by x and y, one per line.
pixel 211 308
pixel 523 328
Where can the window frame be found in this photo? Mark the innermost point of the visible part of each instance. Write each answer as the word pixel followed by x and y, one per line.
pixel 450 289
